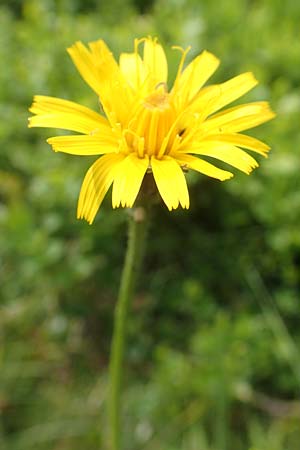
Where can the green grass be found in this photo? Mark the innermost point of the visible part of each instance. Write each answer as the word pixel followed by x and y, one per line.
pixel 213 358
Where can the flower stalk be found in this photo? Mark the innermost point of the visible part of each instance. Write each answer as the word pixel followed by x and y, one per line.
pixel 137 233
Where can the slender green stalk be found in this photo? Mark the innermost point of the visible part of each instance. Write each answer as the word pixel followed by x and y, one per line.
pixel 137 233
pixel 221 435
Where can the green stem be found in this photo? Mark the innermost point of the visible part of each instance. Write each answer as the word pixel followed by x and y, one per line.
pixel 136 238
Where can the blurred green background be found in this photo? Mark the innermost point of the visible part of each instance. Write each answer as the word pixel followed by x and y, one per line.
pixel 213 355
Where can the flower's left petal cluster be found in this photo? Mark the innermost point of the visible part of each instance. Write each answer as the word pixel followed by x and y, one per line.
pixel 59 113
pixel 100 70
pixel 85 145
pixel 97 139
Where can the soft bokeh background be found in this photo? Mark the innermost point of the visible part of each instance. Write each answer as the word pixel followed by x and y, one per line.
pixel 213 355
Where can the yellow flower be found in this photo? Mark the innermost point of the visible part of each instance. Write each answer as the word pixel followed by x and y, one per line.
pixel 150 128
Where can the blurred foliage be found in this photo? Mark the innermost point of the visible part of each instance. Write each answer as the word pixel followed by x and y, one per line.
pixel 213 359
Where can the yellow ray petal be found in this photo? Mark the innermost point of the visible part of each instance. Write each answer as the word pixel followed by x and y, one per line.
pixel 241 140
pixel 155 61
pixel 202 166
pixel 71 122
pixel 171 182
pixel 59 113
pixel 84 145
pixel 128 180
pixel 133 69
pixel 227 153
pixel 195 75
pixel 87 65
pixel 96 183
pixel 43 104
pixel 100 70
pixel 238 118
pixel 222 94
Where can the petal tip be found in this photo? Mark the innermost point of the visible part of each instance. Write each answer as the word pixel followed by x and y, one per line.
pixel 227 177
pixel 54 147
pixel 212 56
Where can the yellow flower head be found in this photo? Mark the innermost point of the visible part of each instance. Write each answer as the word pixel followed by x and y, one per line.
pixel 150 128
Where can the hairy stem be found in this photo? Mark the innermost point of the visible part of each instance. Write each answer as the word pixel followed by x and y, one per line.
pixel 137 233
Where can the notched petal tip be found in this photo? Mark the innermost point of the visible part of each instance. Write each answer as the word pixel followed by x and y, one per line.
pixel 33 104
pixel 53 145
pixel 37 98
pixel 226 177
pixel 115 205
pixel 86 219
pixel 74 45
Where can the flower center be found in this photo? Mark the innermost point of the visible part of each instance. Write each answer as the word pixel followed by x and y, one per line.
pixel 151 124
pixel 157 100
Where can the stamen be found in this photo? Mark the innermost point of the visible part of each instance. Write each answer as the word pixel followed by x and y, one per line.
pixel 93 132
pixel 162 84
pixel 163 147
pixel 175 144
pixel 139 143
pixel 158 100
pixel 137 42
pixel 181 63
pixel 141 147
pixel 185 168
